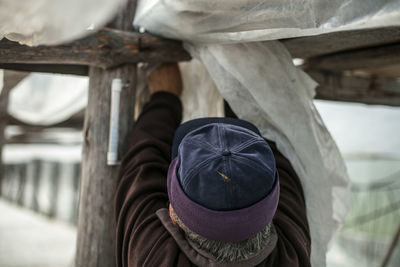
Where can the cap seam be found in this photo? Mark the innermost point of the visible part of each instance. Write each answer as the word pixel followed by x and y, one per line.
pixel 199 142
pixel 253 161
pixel 246 143
pixel 219 134
pixel 224 147
pixel 199 166
pixel 189 126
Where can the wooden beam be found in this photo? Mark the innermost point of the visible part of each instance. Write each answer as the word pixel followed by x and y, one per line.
pixel 104 49
pixel 96 226
pixel 362 59
pixel 29 139
pixel 351 88
pixel 75 122
pixel 389 71
pixel 38 137
pixel 3 124
pixel 10 80
pixel 80 70
pixel 311 46
pixel 108 48
pixel 391 248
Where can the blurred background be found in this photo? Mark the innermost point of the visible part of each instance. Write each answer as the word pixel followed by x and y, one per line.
pixel 41 173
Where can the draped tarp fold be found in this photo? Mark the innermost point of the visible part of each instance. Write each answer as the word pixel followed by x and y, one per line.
pixel 234 41
pixel 35 22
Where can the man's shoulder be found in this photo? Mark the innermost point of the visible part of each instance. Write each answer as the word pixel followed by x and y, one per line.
pixel 152 245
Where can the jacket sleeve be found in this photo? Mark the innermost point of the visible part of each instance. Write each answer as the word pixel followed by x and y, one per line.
pixel 142 188
pixel 290 219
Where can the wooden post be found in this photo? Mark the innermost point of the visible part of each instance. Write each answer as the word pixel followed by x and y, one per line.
pixel 3 124
pixel 96 227
pixel 11 79
pixel 391 247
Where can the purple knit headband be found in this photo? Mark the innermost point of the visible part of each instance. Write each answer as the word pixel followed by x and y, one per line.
pixel 224 226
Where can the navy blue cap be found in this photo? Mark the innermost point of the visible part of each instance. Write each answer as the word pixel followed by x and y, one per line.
pixel 191 125
pixel 223 163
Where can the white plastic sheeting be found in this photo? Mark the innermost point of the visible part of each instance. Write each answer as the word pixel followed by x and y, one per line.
pixel 45 99
pixel 35 22
pixel 227 21
pixel 371 122
pixel 258 79
pixel 200 96
pixel 277 98
pixel 261 84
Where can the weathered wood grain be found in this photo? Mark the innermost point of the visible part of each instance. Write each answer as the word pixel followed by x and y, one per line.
pixel 110 47
pixel 311 46
pixel 96 227
pixel 104 49
pixel 392 246
pixel 11 78
pixel 75 122
pixel 361 59
pixel 351 88
pixel 3 123
pixel 80 70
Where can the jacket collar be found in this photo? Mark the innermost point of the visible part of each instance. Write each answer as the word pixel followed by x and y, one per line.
pixel 202 258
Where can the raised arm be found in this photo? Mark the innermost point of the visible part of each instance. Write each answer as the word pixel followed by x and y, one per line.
pixel 142 188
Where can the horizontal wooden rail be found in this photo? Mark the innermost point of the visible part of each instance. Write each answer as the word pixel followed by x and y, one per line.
pixel 80 70
pixel 350 88
pixel 328 43
pixel 362 59
pixel 105 49
pixel 110 48
pixel 75 122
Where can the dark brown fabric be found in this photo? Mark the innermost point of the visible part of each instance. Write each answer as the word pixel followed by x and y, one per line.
pixel 142 240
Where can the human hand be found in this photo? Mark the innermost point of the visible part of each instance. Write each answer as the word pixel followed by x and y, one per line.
pixel 166 78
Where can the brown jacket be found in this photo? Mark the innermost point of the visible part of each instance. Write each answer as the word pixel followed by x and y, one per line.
pixel 144 240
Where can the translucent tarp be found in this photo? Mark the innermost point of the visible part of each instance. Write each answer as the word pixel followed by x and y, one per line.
pixel 258 79
pixel 261 84
pixel 280 104
pixel 227 21
pixel 35 22
pixel 371 122
pixel 46 99
pixel 368 138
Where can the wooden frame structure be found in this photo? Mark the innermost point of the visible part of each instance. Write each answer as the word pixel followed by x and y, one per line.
pixel 114 52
